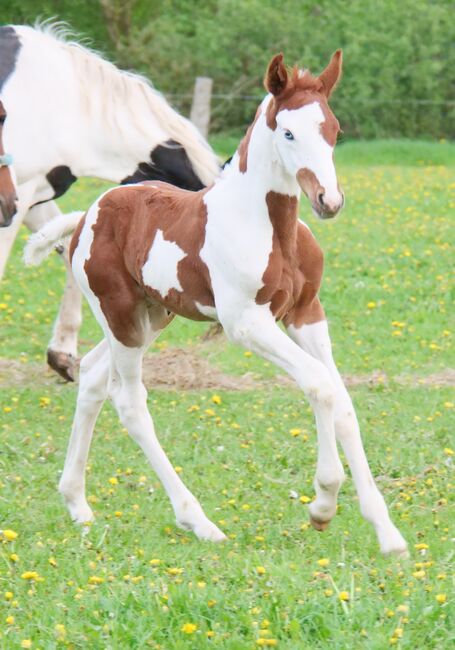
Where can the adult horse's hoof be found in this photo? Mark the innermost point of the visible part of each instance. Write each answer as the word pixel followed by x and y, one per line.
pixel 319 525
pixel 64 364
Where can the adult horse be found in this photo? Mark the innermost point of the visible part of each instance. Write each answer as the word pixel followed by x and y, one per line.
pixel 7 187
pixel 71 114
pixel 237 253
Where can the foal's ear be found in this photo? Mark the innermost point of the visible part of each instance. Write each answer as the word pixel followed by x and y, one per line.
pixel 276 77
pixel 331 75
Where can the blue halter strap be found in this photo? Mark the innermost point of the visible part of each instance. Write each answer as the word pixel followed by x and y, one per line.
pixel 6 159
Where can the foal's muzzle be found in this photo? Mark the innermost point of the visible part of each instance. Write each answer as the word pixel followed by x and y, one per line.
pixel 327 209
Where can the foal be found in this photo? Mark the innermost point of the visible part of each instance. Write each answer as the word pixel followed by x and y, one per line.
pixel 237 253
pixel 7 190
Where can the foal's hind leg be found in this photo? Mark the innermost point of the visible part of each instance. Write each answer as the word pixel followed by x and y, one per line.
pixel 93 389
pixel 315 339
pixel 130 399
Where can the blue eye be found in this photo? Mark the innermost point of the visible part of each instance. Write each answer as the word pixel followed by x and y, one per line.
pixel 288 135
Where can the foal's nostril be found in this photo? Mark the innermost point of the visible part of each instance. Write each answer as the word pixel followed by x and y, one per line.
pixel 321 199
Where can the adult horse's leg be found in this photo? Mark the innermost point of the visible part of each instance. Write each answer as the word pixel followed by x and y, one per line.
pixel 25 194
pixel 256 329
pixel 130 399
pixel 93 390
pixel 62 348
pixel 315 340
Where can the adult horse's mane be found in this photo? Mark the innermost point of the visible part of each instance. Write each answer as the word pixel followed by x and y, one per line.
pixel 134 91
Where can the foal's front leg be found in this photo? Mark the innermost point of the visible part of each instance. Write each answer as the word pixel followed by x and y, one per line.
pixel 315 339
pixel 256 329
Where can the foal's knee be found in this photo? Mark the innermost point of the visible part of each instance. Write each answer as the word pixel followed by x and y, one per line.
pixel 346 423
pixel 321 390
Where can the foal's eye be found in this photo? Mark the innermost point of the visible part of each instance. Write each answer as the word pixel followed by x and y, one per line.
pixel 288 135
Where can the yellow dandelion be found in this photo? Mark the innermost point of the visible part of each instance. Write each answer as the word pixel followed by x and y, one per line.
pixel 448 451
pixel 30 575
pixel 14 557
pixel 95 580
pixel 216 399
pixel 113 480
pixel 60 630
pixel 210 634
pixel 52 561
pixel 344 596
pixel 26 643
pixel 267 642
pixel 295 432
pixel 155 562
pixel 304 499
pixel 174 571
pixel 189 628
pixel 9 535
pixel 371 304
pixel 260 570
pixel 323 562
pixel 9 620
pixel 8 595
pixel 421 547
pixel 441 598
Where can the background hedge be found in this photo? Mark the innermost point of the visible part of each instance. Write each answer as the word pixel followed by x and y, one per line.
pixel 399 75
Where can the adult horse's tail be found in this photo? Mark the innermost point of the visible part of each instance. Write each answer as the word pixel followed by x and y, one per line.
pixel 43 242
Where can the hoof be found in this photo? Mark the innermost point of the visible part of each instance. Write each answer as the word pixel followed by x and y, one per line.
pixel 319 525
pixel 205 530
pixel 81 514
pixel 63 364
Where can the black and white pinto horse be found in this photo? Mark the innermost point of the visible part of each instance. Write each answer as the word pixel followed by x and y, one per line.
pixel 71 113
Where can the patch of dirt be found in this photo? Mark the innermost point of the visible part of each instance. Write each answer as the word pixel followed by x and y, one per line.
pixel 186 369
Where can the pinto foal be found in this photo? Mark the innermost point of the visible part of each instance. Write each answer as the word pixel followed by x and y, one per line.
pixel 235 253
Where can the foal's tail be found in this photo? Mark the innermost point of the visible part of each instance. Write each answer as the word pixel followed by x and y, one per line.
pixel 43 242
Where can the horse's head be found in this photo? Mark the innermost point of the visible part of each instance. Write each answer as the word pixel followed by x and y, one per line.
pixel 7 190
pixel 305 129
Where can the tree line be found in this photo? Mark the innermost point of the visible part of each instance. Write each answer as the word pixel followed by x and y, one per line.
pixel 399 59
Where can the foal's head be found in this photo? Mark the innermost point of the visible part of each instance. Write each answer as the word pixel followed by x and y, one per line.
pixel 7 189
pixel 305 129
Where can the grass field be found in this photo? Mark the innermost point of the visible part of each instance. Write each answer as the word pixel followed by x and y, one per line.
pixel 133 580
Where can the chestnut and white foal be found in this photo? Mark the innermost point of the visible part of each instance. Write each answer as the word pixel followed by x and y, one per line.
pixel 235 253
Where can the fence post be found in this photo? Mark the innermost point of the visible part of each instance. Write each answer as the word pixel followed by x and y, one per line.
pixel 200 108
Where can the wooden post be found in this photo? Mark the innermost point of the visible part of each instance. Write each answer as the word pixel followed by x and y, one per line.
pixel 200 108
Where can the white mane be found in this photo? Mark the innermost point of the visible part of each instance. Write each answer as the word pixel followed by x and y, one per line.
pixel 137 94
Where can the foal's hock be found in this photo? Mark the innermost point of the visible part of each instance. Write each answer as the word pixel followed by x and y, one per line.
pixel 237 253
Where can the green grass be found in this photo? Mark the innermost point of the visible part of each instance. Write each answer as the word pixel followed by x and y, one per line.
pixel 386 292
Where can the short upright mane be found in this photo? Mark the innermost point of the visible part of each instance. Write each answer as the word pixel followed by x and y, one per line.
pixel 138 97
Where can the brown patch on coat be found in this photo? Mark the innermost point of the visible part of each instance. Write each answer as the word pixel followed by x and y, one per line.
pixel 309 184
pixel 75 238
pixel 244 144
pixel 7 190
pixel 294 271
pixel 128 220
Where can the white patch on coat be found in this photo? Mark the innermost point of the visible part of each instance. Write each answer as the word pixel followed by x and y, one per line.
pixel 160 270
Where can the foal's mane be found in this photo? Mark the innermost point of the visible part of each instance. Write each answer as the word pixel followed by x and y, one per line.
pixel 129 91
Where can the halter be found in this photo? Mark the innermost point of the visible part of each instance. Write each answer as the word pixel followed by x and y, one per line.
pixel 6 160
